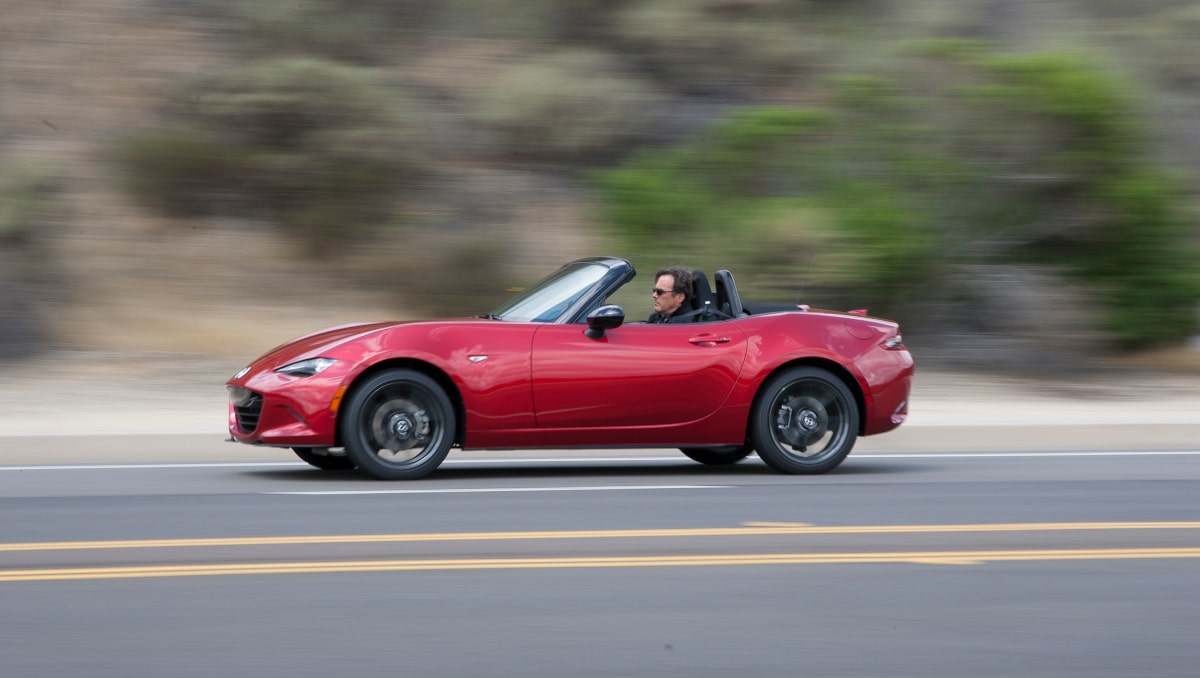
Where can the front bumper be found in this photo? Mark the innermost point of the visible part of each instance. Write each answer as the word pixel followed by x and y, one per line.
pixel 276 409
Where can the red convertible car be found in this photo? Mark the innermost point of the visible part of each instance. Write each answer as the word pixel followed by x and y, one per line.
pixel 559 366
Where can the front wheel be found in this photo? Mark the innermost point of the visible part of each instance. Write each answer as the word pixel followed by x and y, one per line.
pixel 398 425
pixel 804 420
pixel 718 456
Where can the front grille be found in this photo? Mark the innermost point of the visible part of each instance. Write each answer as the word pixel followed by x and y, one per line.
pixel 248 414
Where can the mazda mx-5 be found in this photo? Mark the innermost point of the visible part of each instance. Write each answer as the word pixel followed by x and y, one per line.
pixel 559 366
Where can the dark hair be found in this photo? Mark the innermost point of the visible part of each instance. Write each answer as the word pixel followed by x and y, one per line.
pixel 684 280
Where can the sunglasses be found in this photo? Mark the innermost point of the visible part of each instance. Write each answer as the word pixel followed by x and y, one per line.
pixel 658 293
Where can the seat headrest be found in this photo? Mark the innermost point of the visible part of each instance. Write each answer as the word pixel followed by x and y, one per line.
pixel 702 296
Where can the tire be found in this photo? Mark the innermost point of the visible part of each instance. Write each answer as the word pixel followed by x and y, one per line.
pixel 398 425
pixel 323 459
pixel 805 420
pixel 718 456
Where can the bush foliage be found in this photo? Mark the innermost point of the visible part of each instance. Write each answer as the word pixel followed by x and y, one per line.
pixel 566 105
pixel 843 153
pixel 320 148
pixel 24 200
pixel 1020 159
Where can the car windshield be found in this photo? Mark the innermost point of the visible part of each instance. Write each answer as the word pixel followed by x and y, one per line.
pixel 552 296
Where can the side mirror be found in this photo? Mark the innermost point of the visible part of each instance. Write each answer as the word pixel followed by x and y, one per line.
pixel 604 318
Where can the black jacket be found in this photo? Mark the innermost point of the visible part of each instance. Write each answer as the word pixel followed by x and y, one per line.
pixel 683 314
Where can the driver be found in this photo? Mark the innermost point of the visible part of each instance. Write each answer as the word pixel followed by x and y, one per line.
pixel 673 289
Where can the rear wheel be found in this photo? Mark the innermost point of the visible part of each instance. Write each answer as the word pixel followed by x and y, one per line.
pixel 805 420
pixel 398 425
pixel 323 458
pixel 718 456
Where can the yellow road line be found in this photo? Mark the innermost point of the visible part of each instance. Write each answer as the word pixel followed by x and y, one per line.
pixel 746 529
pixel 915 557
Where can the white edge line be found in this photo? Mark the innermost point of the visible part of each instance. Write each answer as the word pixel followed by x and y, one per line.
pixel 484 490
pixel 983 455
pixel 599 460
pixel 121 467
pixel 541 460
pixel 300 464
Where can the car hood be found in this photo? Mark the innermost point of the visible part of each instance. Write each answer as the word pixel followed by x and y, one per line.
pixel 313 345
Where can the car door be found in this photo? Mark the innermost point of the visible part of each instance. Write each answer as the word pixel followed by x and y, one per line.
pixel 635 375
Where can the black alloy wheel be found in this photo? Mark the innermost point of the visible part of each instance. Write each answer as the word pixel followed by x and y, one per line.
pixel 398 425
pixel 805 420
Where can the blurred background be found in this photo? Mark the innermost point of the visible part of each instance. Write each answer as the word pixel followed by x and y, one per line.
pixel 1015 181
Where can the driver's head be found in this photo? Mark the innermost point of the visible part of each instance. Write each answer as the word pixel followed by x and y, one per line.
pixel 672 287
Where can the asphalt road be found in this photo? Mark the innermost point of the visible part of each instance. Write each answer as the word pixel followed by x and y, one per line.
pixel 959 551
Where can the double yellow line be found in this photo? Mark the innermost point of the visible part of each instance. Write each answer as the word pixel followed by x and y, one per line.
pixel 968 557
pixel 916 557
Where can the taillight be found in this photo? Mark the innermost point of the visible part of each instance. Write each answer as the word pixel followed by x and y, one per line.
pixel 893 343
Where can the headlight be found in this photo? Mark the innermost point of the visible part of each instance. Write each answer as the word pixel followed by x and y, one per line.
pixel 240 397
pixel 306 368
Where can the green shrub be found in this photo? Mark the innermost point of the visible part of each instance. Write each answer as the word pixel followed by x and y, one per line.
pixel 323 149
pixel 568 104
pixel 999 159
pixel 24 194
pixel 1142 259
pixel 689 190
pixel 1123 232
pixel 182 170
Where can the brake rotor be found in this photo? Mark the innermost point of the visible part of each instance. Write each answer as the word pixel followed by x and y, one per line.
pixel 801 421
pixel 400 425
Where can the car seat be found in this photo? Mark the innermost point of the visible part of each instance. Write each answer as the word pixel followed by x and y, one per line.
pixel 729 302
pixel 703 302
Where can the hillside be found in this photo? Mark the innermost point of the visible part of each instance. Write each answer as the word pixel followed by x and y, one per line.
pixel 101 272
pixel 87 267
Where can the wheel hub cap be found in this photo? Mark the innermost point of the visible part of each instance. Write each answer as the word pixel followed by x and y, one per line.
pixel 401 426
pixel 801 421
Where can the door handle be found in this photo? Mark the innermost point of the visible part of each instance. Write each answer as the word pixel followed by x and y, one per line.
pixel 709 340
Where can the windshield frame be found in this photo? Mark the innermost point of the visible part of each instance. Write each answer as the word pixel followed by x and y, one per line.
pixel 569 293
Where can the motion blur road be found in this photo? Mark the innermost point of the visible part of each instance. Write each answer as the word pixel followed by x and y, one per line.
pixel 1047 536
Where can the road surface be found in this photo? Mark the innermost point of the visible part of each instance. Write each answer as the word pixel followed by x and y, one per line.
pixel 1023 531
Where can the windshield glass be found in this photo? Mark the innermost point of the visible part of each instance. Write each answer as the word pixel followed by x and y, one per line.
pixel 550 298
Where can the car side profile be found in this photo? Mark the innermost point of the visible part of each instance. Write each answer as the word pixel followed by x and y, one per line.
pixel 558 367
